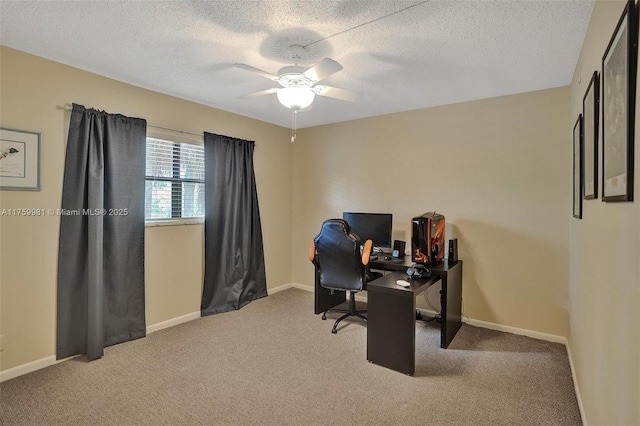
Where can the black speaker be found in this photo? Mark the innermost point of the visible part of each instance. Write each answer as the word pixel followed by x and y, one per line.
pixel 398 245
pixel 453 250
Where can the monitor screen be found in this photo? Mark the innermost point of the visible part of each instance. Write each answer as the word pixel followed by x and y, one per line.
pixel 371 226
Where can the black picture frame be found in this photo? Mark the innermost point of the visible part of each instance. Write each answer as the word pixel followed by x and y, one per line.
pixel 590 122
pixel 618 108
pixel 577 168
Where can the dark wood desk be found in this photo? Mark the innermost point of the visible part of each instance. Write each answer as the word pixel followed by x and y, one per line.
pixel 391 312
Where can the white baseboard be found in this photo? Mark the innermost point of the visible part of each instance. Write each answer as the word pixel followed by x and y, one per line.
pixel 507 329
pixel 174 321
pixel 361 297
pixel 515 330
pixel 575 385
pixel 27 368
pixel 288 286
pixel 38 364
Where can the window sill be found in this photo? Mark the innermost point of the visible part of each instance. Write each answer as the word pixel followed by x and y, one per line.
pixel 174 222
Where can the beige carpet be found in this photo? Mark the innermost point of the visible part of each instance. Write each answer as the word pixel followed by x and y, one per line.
pixel 274 362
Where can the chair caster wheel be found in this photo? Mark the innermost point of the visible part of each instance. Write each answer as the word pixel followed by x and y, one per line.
pixel 334 331
pixel 324 316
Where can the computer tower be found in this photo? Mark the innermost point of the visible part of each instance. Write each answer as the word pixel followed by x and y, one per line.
pixel 427 238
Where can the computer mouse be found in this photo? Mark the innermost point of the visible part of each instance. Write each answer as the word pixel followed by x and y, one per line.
pixel 387 258
pixel 403 283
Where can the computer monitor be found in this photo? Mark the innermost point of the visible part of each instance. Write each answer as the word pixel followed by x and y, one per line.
pixel 371 226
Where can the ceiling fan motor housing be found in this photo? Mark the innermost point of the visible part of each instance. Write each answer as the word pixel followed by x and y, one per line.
pixel 292 76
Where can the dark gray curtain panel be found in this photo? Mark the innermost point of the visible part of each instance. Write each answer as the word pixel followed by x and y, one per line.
pixel 234 257
pixel 101 251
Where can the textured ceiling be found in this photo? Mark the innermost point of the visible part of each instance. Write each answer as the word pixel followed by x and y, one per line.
pixel 434 53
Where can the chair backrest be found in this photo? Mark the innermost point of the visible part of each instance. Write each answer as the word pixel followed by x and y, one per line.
pixel 338 259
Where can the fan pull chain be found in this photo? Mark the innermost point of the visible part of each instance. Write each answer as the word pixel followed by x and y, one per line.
pixel 294 123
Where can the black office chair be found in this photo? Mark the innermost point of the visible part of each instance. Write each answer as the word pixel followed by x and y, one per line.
pixel 340 265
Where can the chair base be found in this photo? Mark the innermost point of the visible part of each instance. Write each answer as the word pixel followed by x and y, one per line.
pixel 351 312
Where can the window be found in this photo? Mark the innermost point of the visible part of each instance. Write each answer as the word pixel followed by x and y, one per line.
pixel 174 180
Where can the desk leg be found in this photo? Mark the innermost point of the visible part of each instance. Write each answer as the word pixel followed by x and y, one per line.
pixel 451 300
pixel 391 336
pixel 324 300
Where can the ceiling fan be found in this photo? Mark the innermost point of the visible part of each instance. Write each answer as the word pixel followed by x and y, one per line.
pixel 299 84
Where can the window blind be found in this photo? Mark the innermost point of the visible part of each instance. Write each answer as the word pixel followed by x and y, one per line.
pixel 174 180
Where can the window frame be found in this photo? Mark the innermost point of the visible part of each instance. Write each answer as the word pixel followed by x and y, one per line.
pixel 174 180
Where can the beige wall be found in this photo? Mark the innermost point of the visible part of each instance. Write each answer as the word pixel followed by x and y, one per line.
pixel 499 169
pixel 496 168
pixel 32 89
pixel 604 276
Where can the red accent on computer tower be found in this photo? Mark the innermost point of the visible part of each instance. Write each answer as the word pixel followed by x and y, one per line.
pixel 427 238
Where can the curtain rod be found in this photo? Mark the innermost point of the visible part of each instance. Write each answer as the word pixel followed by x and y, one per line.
pixel 69 107
pixel 201 135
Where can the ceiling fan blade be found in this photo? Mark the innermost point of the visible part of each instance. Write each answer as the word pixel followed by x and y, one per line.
pixel 334 92
pixel 257 71
pixel 260 93
pixel 322 69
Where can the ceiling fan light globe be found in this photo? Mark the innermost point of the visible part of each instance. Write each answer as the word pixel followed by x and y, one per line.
pixel 296 98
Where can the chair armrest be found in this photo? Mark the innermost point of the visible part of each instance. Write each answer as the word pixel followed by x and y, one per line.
pixel 312 250
pixel 366 252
